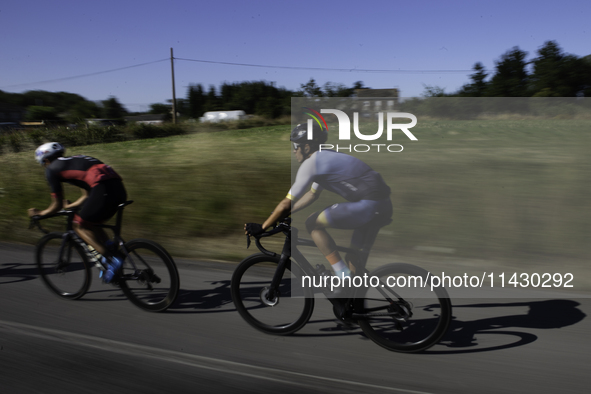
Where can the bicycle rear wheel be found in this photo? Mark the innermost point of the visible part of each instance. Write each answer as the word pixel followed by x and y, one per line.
pixel 149 277
pixel 286 313
pixel 402 314
pixel 67 275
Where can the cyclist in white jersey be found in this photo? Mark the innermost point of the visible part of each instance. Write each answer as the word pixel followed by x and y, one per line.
pixel 366 193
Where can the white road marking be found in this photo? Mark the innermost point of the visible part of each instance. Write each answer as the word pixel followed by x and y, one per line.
pixel 213 364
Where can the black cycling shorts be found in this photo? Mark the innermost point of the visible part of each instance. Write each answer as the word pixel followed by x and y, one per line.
pixel 102 202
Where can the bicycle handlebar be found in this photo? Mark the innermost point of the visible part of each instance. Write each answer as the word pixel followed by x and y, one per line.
pixel 283 226
pixel 34 220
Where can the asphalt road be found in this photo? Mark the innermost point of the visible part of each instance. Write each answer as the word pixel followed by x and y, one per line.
pixel 102 343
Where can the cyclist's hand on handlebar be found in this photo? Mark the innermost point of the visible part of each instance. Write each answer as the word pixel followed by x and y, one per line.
pixel 254 229
pixel 33 212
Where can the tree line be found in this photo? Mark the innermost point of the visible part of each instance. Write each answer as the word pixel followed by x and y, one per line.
pixel 254 97
pixel 70 107
pixel 552 73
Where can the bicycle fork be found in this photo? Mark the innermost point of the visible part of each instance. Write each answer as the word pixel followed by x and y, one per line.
pixel 270 295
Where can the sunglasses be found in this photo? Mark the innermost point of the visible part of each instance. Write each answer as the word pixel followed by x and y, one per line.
pixel 295 146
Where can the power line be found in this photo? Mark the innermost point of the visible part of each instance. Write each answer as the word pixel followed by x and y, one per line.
pixel 349 70
pixel 359 70
pixel 84 75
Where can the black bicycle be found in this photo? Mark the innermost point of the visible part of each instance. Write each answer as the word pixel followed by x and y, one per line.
pixel 394 305
pixel 149 277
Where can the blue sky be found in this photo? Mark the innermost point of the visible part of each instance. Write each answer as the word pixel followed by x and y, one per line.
pixel 56 40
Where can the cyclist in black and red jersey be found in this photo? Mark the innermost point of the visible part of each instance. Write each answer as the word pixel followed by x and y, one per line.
pixel 102 192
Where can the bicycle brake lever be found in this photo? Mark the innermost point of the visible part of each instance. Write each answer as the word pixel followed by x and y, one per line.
pixel 247 241
pixel 34 221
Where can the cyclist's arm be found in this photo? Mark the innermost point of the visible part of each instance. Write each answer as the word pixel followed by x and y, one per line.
pixel 56 205
pixel 306 200
pixel 57 195
pixel 304 177
pixel 282 210
pixel 79 201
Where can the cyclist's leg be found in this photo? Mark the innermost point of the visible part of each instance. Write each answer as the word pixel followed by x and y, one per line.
pixel 101 204
pixel 316 225
pixel 347 215
pixel 364 236
pixel 92 235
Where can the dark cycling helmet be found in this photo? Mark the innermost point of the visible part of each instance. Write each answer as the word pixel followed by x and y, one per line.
pixel 299 134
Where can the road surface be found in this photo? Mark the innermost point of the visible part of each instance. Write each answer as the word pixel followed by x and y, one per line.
pixel 102 343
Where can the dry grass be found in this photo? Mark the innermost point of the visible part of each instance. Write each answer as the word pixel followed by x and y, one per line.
pixel 512 191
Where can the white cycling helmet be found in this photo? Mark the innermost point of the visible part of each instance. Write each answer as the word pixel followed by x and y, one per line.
pixel 48 150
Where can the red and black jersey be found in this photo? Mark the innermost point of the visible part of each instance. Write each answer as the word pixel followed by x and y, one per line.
pixel 82 171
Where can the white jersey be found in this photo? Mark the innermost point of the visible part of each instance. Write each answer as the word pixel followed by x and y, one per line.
pixel 340 173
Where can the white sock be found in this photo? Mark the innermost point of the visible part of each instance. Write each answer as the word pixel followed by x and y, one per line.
pixel 341 269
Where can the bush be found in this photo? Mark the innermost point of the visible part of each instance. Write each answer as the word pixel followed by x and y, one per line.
pixel 143 131
pixel 16 139
pixel 98 135
pixel 36 136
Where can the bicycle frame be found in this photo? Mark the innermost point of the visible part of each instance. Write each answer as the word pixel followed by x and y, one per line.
pixel 395 318
pixel 70 233
pixel 287 252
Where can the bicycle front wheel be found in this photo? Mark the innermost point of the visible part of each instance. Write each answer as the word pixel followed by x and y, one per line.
pixel 283 314
pixel 149 277
pixel 66 274
pixel 399 311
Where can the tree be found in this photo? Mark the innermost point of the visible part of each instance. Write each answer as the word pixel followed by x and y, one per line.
pixel 433 91
pixel 311 89
pixel 478 86
pixel 511 77
pixel 160 108
pixel 112 109
pixel 556 74
pixel 253 97
pixel 61 101
pixel 586 61
pixel 337 90
pixel 196 101
pixel 83 110
pixel 359 85
pixel 39 113
pixel 211 100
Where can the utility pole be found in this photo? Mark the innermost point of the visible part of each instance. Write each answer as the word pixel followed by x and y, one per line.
pixel 173 91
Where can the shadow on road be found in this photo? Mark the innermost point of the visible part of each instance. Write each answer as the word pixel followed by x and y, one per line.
pixel 15 272
pixel 503 332
pixel 211 300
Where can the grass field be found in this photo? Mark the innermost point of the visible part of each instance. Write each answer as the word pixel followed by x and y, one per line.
pixel 505 190
pixel 186 188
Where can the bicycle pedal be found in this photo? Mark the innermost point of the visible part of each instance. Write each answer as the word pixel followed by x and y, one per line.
pixel 344 317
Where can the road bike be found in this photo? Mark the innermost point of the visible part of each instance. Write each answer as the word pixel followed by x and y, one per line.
pixel 148 277
pixel 398 308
